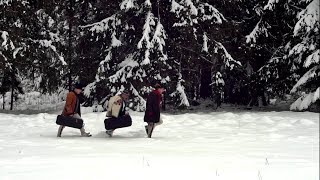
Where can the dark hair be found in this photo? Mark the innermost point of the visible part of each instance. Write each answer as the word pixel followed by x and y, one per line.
pixel 159 85
pixel 125 92
pixel 78 85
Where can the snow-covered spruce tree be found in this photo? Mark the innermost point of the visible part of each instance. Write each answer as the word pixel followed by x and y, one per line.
pixel 45 52
pixel 10 78
pixel 134 55
pixel 101 46
pixel 270 33
pixel 58 55
pixel 32 31
pixel 241 17
pixel 144 41
pixel 304 51
pixel 197 24
pixel 10 47
pixel 86 60
pixel 291 59
pixel 90 48
pixel 66 15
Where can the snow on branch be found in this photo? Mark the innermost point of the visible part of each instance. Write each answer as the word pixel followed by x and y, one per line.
pixel 306 77
pixel 308 19
pixel 145 39
pixel 142 103
pixel 159 39
pixel 205 42
pixel 7 63
pixel 7 43
pixel 306 100
pixel 147 3
pixel 228 59
pixel 215 14
pixel 128 4
pixel 89 88
pixel 271 4
pixel 107 24
pixel 184 5
pixel 102 64
pixel 48 44
pixel 258 9
pixel 217 79
pixel 180 92
pixel 2 2
pixel 16 51
pixel 44 18
pixel 195 13
pixel 159 36
pixel 304 1
pixel 183 97
pixel 103 25
pixel 192 7
pixel 146 31
pixel 300 49
pixel 115 42
pixel 176 7
pixel 314 58
pixel 126 70
pixel 260 29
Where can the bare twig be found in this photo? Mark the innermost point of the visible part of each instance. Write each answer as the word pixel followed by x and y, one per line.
pixel 259 175
pixel 267 162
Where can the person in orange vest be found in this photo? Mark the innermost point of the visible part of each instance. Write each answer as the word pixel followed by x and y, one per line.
pixel 72 109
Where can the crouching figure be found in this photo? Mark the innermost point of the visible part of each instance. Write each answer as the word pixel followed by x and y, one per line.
pixel 117 116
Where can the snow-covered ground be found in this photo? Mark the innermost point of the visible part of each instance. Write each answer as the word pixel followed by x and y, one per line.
pixel 215 146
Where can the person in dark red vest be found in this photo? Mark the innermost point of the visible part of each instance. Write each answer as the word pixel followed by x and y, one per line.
pixel 152 113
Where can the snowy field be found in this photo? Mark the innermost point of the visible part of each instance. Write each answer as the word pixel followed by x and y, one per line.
pixel 197 146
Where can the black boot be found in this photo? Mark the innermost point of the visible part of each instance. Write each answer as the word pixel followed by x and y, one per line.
pixel 110 132
pixel 60 131
pixel 150 129
pixel 146 127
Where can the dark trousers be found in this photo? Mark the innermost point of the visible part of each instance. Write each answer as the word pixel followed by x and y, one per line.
pixel 115 123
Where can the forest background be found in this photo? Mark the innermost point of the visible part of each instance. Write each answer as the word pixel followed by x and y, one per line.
pixel 232 51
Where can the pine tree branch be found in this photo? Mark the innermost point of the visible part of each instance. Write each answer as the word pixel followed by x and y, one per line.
pixel 296 7
pixel 158 2
pixel 188 69
pixel 190 50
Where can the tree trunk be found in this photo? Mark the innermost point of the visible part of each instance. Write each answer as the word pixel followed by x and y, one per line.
pixel 205 81
pixel 3 104
pixel 11 105
pixel 198 87
pixel 70 44
pixel 164 102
